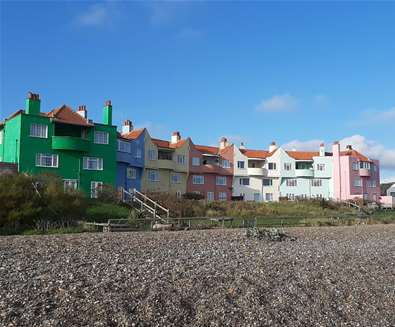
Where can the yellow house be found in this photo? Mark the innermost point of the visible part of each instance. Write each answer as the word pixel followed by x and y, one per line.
pixel 166 165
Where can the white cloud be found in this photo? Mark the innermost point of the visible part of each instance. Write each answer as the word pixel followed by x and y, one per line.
pixel 370 148
pixel 96 15
pixel 311 145
pixel 278 103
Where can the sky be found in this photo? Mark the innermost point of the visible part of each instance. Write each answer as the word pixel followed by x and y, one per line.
pixel 298 73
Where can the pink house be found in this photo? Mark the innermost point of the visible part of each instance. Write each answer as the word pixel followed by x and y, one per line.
pixel 355 175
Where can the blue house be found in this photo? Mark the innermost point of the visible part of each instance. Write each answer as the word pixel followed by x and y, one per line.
pixel 130 157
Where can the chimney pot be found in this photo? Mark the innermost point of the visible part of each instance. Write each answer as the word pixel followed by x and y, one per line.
pixel 107 103
pixel 272 146
pixel 175 137
pixel 349 147
pixel 127 127
pixel 82 111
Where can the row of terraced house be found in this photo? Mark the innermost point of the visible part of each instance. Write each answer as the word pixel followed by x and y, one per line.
pixel 87 155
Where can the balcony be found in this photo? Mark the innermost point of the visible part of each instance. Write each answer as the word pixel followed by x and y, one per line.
pixel 304 173
pixel 70 143
pixel 166 164
pixel 364 172
pixel 257 171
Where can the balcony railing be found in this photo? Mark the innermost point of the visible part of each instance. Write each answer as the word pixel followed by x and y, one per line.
pixel 364 172
pixel 257 171
pixel 304 172
pixel 70 143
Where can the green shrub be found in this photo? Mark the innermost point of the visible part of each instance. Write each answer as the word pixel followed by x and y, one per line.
pixel 101 211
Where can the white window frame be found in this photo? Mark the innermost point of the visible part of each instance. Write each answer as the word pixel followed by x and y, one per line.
pixel 241 164
pixel 139 153
pixel 320 167
pixel 175 178
pixel 225 163
pixel 287 166
pixel 152 154
pixel 243 179
pixel 222 196
pixel 181 159
pixel 357 182
pixel 293 182
pixel 101 137
pixel 72 182
pixel 39 130
pixel 198 179
pixel 124 146
pixel 220 180
pixel 195 161
pixel 153 175
pixel 95 188
pixel 316 182
pixel 131 173
pixel 270 183
pixel 210 196
pixel 273 165
pixel 87 163
pixel 355 165
pixel 269 197
pixel 41 157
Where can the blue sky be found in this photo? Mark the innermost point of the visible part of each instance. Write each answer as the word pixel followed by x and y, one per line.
pixel 295 72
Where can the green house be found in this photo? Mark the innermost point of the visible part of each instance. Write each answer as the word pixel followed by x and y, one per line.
pixel 62 142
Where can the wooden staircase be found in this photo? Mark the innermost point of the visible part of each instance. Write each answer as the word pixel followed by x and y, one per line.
pixel 142 203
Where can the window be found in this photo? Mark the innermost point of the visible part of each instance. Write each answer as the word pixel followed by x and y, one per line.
pixel 153 175
pixel 101 137
pixel 139 153
pixel 175 178
pixel 152 154
pixel 1 136
pixel 257 197
pixel 374 167
pixel 244 181
pixel 96 187
pixel 39 130
pixel 371 183
pixel 269 196
pixel 178 194
pixel 225 163
pixel 197 179
pixel 364 165
pixel 290 196
pixel 91 163
pixel 70 184
pixel 47 160
pixel 210 196
pixel 124 146
pixel 272 166
pixel 222 196
pixel 195 161
pixel 287 166
pixel 292 182
pixel 240 164
pixel 220 180
pixel 316 182
pixel 355 165
pixel 267 182
pixel 181 159
pixel 320 167
pixel 357 182
pixel 131 173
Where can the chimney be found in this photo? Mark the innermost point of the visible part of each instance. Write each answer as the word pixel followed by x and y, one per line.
pixel 32 106
pixel 272 146
pixel 107 113
pixel 82 111
pixel 223 143
pixel 336 149
pixel 348 147
pixel 127 127
pixel 242 146
pixel 322 150
pixel 175 137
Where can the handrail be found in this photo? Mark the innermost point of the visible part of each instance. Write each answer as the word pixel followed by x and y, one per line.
pixel 152 201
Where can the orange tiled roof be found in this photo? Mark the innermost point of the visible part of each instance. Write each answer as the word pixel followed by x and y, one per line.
pixel 66 115
pixel 207 149
pixel 133 134
pixel 354 153
pixel 302 155
pixel 167 144
pixel 255 153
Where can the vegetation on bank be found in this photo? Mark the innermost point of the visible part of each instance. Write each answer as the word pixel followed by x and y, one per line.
pixel 39 204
